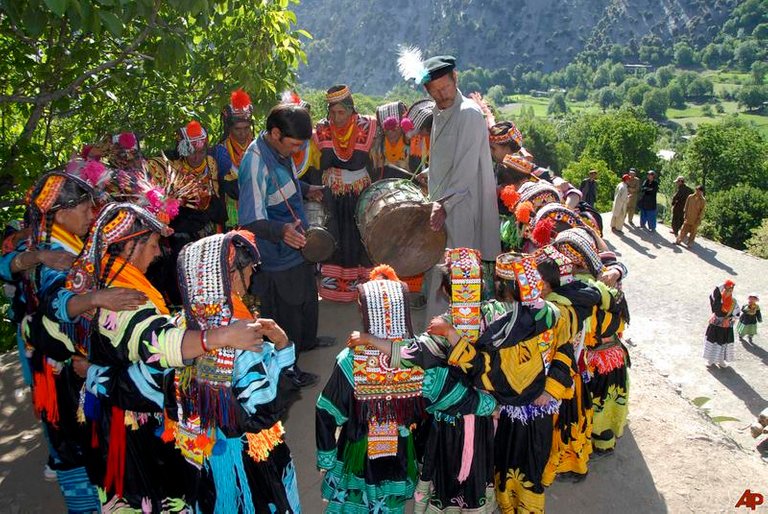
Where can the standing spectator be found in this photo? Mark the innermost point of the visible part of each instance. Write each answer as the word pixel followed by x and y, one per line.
pixel 694 213
pixel 620 199
pixel 633 188
pixel 570 195
pixel 589 188
pixel 678 204
pixel 647 202
pixel 718 341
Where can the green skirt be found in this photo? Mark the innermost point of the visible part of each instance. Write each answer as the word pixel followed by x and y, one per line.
pixel 746 330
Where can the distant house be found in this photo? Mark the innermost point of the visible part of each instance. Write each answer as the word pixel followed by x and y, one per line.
pixel 638 69
pixel 540 94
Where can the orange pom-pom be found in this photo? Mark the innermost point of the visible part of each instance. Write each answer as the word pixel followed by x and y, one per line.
pixel 383 272
pixel 509 196
pixel 239 100
pixel 194 129
pixel 523 212
pixel 542 233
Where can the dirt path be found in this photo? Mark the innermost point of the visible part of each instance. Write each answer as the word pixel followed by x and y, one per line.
pixel 673 458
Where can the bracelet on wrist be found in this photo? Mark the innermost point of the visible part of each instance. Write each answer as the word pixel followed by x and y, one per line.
pixel 204 341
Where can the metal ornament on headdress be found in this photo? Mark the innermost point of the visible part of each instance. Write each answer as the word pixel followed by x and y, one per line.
pixel 466 291
pixel 419 113
pixel 113 224
pixel 577 245
pixel 522 269
pixel 192 137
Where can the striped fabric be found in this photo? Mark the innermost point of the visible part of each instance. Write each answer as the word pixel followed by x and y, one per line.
pixel 718 353
pixel 80 495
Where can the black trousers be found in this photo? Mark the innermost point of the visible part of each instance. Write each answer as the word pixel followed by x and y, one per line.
pixel 290 298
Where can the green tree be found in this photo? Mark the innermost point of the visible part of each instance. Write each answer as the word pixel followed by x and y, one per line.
pixel 606 98
pixel 557 105
pixel 761 32
pixel 758 70
pixel 676 95
pixel 752 97
pixel 726 154
pixel 700 88
pixel 656 103
pixel 664 75
pixel 757 244
pixel 684 55
pixel 541 140
pixel 496 94
pixel 623 139
pixel 617 73
pixel 635 94
pixel 731 215
pixel 76 69
pixel 606 179
pixel 746 53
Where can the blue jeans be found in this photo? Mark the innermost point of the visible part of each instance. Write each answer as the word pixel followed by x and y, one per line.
pixel 648 218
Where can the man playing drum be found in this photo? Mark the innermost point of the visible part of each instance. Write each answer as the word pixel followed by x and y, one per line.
pixel 461 181
pixel 271 207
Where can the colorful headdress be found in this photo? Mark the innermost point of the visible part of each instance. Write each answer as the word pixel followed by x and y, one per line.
pixel 577 244
pixel 420 113
pixel 518 163
pixel 393 115
pixel 521 268
pixel 539 194
pixel 564 264
pixel 386 395
pixel 505 132
pixel 50 195
pixel 120 150
pixel 240 105
pixel 190 138
pixel 558 218
pixel 465 268
pixel 116 222
pixel 338 94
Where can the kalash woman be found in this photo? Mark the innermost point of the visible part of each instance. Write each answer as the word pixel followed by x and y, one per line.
pixel 223 411
pixel 719 338
pixel 129 357
pixel 345 139
pixel 457 474
pixel 524 360
pixel 371 465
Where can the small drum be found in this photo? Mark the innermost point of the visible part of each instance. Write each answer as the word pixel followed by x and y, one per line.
pixel 320 243
pixel 393 219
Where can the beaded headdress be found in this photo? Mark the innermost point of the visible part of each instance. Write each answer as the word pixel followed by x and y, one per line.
pixel 518 163
pixel 115 223
pixel 578 245
pixel 387 396
pixel 206 291
pixel 506 132
pixel 553 218
pixel 191 137
pixel 419 113
pixel 337 94
pixel 465 268
pixel 564 264
pixel 46 197
pixel 538 193
pixel 522 269
pixel 393 115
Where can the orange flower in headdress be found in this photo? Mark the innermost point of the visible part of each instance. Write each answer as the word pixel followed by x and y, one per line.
pixel 542 233
pixel 509 196
pixel 194 129
pixel 239 100
pixel 384 272
pixel 523 212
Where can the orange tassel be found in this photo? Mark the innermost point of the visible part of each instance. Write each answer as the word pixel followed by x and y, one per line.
pixel 194 129
pixel 44 394
pixel 542 233
pixel 383 272
pixel 509 196
pixel 169 433
pixel 523 212
pixel 239 100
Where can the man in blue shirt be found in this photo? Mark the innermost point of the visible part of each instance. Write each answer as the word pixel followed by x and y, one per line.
pixel 271 207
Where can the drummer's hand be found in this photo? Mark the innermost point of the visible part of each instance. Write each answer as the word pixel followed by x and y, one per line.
pixel 437 217
pixel 423 178
pixel 293 237
pixel 315 193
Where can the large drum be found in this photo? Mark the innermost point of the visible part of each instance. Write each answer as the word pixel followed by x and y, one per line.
pixel 320 243
pixel 393 219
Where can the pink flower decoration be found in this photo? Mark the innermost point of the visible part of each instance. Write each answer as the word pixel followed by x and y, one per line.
pixel 172 207
pixel 406 124
pixel 127 140
pixel 155 198
pixel 390 123
pixel 73 166
pixel 92 172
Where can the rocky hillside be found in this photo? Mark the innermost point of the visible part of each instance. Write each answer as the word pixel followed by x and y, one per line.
pixel 356 41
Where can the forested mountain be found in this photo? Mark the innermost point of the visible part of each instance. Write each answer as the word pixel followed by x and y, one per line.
pixel 356 41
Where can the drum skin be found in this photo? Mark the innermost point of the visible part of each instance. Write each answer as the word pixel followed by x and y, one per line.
pixel 393 219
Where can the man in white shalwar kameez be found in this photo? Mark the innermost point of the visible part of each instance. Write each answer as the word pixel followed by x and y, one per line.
pixel 620 202
pixel 461 180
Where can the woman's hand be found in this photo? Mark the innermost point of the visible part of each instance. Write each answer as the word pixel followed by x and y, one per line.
pixel 241 335
pixel 274 332
pixel 357 338
pixel 544 399
pixel 438 327
pixel 80 365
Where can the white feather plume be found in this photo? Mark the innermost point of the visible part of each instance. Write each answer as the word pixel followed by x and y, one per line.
pixel 410 64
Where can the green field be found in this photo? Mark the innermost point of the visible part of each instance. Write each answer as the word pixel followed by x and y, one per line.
pixel 692 113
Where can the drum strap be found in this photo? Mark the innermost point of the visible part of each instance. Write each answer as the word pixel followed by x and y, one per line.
pixel 285 200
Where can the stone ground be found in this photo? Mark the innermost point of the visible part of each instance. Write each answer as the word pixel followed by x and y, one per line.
pixel 674 456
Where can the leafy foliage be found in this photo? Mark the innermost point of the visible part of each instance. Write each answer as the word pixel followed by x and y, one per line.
pixel 623 140
pixel 77 69
pixel 731 215
pixel 606 179
pixel 757 245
